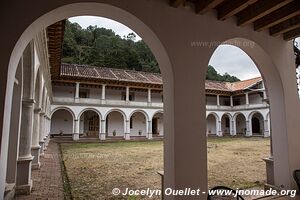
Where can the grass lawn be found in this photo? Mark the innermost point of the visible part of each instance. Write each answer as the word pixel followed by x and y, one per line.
pixel 95 169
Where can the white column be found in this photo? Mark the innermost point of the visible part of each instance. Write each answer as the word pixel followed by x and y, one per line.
pixel 232 128
pixel 127 93
pixel 231 101
pixel 103 92
pixel 219 128
pixel 42 132
pixel 77 90
pixel 103 130
pixel 218 100
pixel 149 95
pixel 248 128
pixel 247 98
pixel 150 129
pixel 76 131
pixel 266 127
pixel 35 146
pixel 127 130
pixel 24 182
pixel 264 92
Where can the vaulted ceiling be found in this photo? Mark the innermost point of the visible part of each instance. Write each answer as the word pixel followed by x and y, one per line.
pixel 279 17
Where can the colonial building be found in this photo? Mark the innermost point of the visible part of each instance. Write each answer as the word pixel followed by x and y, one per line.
pixel 104 102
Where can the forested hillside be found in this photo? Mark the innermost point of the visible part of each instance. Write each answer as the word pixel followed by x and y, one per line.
pixel 102 47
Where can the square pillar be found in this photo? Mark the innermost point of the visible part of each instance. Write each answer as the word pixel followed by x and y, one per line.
pixel 35 147
pixel 218 100
pixel 219 124
pixel 24 182
pixel 127 94
pixel 127 130
pixel 247 98
pixel 149 130
pixel 102 133
pixel 77 90
pixel 76 131
pixel 266 128
pixel 248 128
pixel 149 95
pixel 103 92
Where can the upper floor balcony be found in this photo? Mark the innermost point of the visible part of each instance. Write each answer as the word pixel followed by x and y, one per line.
pixel 237 107
pixel 105 102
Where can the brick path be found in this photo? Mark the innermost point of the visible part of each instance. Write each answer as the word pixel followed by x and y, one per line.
pixel 47 181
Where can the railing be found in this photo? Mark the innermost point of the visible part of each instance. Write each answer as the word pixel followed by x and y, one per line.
pixel 107 102
pixel 239 107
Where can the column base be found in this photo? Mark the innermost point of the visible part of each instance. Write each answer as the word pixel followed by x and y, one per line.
pixel 102 136
pixel 42 147
pixel 24 182
pixel 266 134
pixel 76 136
pixel 24 189
pixel 127 136
pixel 35 152
pixel 10 191
pixel 149 136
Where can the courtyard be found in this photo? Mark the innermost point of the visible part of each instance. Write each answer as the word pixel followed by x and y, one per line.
pixel 94 169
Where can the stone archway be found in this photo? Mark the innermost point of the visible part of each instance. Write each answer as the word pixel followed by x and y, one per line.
pixel 62 122
pixel 212 124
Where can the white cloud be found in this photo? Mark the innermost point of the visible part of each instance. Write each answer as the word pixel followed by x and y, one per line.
pixel 118 28
pixel 233 60
pixel 226 58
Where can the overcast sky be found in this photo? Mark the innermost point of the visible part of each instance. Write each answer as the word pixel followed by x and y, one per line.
pixel 226 58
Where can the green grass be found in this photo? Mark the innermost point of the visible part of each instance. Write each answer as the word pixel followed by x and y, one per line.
pixel 94 169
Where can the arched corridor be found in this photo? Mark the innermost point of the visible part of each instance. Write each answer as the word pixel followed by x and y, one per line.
pixel 212 124
pixel 89 124
pixel 62 122
pixel 115 124
pixel 240 121
pixel 138 124
pixel 158 124
pixel 257 123
pixel 226 124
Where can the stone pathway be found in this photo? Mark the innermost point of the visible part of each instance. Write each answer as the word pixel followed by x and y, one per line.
pixel 47 181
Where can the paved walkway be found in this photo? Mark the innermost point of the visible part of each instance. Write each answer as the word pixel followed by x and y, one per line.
pixel 47 181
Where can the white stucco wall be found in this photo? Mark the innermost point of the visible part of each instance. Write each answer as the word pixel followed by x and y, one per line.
pixel 211 125
pixel 138 124
pixel 61 121
pixel 255 99
pixel 115 122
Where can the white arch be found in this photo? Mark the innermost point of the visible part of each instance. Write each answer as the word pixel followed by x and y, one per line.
pixel 215 115
pixel 116 110
pixel 250 115
pixel 139 111
pixel 237 114
pixel 63 108
pixel 157 112
pixel 228 114
pixel 47 17
pixel 89 109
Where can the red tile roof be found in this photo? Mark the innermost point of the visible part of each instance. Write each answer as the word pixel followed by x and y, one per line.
pixel 103 73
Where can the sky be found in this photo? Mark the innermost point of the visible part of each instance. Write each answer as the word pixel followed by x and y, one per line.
pixel 226 58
